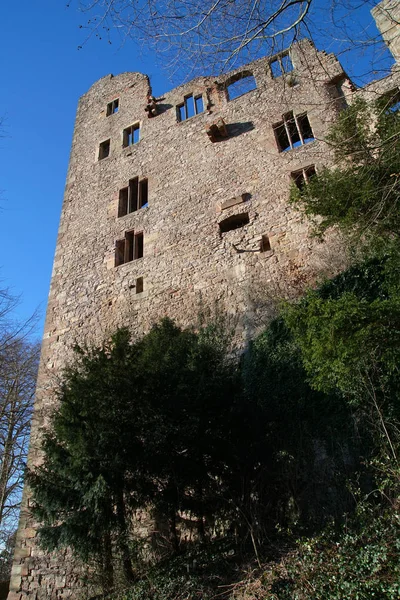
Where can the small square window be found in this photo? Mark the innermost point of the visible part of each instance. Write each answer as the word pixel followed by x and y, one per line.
pixel 112 107
pixel 192 105
pixel 131 135
pixel 303 176
pixel 265 245
pixel 104 149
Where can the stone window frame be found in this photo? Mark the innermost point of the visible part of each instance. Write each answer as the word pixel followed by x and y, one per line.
pixel 278 59
pixel 134 196
pixel 129 248
pixel 112 107
pixel 291 127
pixel 302 176
pixel 242 75
pixel 182 109
pixel 104 149
pixel 128 135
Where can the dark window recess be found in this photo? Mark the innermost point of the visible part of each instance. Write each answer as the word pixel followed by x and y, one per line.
pixel 191 106
pixel 234 222
pixel 303 176
pixel 128 249
pixel 281 64
pixel 104 149
pixel 131 135
pixel 242 84
pixel 265 244
pixel 112 107
pixel 139 285
pixel 133 197
pixel 293 131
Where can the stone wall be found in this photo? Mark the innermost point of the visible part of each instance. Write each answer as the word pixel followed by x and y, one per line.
pixel 188 264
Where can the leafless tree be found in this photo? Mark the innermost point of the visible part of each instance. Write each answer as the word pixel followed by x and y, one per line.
pixel 18 369
pixel 196 36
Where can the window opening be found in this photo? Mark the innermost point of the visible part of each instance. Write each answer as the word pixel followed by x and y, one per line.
pixel 293 131
pixel 265 244
pixel 104 149
pixel 234 222
pixel 128 249
pixel 133 197
pixel 303 176
pixel 139 285
pixel 241 85
pixel 281 64
pixel 192 105
pixel 131 135
pixel 112 107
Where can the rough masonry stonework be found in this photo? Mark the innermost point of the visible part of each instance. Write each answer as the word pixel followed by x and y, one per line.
pixel 216 233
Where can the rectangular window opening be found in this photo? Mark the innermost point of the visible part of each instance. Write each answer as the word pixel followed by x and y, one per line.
pixel 240 85
pixel 131 135
pixel 139 285
pixel 143 193
pixel 303 176
pixel 265 245
pixel 104 149
pixel 293 131
pixel 128 249
pixel 123 202
pixel 234 222
pixel 192 105
pixel 280 65
pixel 133 197
pixel 112 107
pixel 138 245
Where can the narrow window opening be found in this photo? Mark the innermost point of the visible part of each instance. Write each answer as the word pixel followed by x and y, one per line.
pixel 128 249
pixel 143 193
pixel 104 149
pixel 293 131
pixel 133 194
pixel 138 245
pixel 303 176
pixel 139 285
pixel 234 222
pixel 281 64
pixel 192 105
pixel 265 244
pixel 131 135
pixel 241 84
pixel 119 252
pixel 123 202
pixel 112 107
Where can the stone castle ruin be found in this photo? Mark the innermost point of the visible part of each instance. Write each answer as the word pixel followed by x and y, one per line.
pixel 178 203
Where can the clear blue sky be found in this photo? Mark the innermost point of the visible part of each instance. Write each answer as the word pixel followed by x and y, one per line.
pixel 42 76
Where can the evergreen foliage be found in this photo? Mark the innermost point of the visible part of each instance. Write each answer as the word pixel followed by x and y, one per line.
pixel 362 195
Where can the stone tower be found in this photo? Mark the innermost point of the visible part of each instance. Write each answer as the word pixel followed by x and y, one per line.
pixel 176 204
pixel 387 18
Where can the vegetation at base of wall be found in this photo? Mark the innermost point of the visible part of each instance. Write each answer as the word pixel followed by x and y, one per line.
pixel 272 476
